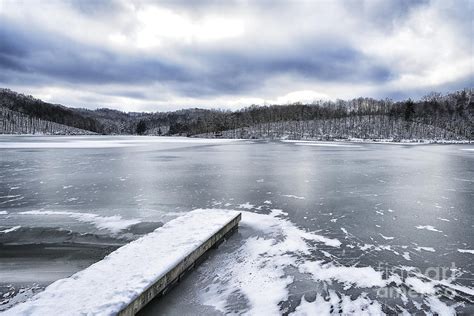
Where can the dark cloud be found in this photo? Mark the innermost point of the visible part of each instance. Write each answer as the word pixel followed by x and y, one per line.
pixel 58 58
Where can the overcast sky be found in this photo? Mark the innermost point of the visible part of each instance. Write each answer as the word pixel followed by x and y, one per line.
pixel 156 56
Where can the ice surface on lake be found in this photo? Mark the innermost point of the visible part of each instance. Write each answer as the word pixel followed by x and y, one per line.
pixel 372 209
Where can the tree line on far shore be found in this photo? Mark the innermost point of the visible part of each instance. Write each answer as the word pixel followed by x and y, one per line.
pixel 444 116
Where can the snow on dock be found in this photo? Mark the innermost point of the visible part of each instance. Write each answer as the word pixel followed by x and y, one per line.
pixel 130 277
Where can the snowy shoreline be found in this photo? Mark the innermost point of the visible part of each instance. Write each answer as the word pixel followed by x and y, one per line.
pixel 302 140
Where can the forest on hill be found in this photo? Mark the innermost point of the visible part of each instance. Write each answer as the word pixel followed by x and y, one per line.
pixel 435 116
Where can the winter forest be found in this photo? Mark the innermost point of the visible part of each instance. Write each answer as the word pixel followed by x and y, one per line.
pixel 433 117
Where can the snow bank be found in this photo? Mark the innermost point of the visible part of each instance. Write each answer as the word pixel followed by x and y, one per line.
pixel 107 286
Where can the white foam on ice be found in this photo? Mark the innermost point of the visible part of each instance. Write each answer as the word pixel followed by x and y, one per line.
pixel 112 223
pixel 3 213
pixel 467 149
pixel 109 285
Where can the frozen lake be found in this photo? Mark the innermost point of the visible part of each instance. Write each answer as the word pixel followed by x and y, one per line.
pixel 326 226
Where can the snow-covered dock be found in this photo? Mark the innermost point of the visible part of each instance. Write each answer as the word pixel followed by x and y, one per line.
pixel 130 277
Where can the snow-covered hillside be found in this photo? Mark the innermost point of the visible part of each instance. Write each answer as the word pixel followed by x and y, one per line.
pixel 12 122
pixel 362 127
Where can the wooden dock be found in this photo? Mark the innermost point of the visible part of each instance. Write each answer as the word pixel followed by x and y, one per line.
pixel 133 275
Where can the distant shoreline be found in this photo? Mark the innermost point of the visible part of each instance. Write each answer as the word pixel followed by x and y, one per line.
pixel 302 140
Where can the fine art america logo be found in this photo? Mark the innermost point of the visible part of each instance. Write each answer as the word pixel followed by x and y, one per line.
pixel 420 282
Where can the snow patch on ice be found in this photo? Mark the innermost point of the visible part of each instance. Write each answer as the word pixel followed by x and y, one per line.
pixel 9 230
pixel 344 305
pixel 321 144
pixel 429 227
pixel 430 249
pixel 112 223
pixel 466 251
pixel 385 237
pixel 440 308
pixel 443 219
pixel 293 196
pixel 363 277
pixel 246 206
pixel 420 286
